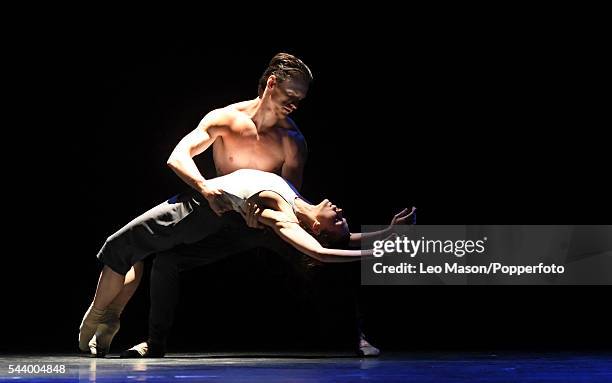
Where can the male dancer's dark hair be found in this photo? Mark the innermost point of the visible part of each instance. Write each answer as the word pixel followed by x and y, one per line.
pixel 285 66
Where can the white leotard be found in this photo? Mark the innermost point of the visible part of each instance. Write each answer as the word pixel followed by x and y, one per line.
pixel 244 183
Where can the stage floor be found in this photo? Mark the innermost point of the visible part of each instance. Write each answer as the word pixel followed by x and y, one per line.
pixel 312 367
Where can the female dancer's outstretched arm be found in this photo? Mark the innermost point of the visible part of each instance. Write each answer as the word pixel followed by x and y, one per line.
pixel 404 217
pixel 292 233
pixel 299 238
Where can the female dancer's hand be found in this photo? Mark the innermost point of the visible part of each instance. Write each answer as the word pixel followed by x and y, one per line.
pixel 404 217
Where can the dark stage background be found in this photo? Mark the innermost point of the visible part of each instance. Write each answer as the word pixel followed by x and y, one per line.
pixel 470 127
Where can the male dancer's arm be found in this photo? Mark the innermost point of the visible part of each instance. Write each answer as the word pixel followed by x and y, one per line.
pixel 296 152
pixel 215 124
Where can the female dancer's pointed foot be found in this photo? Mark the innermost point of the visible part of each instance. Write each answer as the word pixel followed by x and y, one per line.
pixel 107 330
pixel 93 349
pixel 89 326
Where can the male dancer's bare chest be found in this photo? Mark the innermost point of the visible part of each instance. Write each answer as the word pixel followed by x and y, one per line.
pixel 249 151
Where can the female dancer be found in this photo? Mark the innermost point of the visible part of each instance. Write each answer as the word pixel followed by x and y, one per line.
pixel 266 197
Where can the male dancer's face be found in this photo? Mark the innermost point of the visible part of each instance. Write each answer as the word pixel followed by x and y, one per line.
pixel 286 95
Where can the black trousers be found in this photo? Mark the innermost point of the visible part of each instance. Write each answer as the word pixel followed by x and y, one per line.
pixel 235 237
pixel 183 219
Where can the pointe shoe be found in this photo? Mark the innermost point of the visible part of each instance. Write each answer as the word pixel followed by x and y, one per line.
pixel 145 350
pixel 365 349
pixel 89 326
pixel 107 330
pixel 93 347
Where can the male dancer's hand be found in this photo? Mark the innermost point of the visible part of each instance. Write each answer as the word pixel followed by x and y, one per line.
pixel 253 211
pixel 217 201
